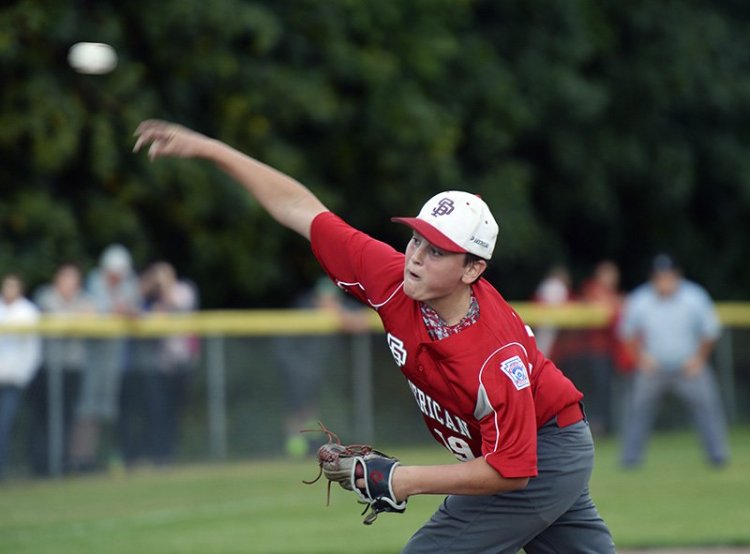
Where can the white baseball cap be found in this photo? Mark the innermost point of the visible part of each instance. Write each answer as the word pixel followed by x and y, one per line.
pixel 456 221
pixel 116 259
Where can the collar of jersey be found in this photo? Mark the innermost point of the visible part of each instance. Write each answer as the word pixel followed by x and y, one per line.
pixel 437 329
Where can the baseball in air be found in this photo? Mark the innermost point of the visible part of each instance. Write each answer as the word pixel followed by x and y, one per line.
pixel 93 58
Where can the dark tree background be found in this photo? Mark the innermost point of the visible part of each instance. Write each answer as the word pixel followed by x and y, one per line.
pixel 593 129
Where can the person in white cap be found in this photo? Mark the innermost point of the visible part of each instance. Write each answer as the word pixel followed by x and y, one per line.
pixel 113 287
pixel 484 389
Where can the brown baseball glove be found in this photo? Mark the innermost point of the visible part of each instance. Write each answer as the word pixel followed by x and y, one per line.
pixel 344 464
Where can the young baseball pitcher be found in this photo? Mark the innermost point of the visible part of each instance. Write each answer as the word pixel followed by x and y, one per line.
pixel 484 389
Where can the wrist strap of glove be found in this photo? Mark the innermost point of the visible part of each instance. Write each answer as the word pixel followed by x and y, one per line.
pixel 377 473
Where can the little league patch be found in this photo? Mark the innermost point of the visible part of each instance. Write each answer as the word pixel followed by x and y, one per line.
pixel 514 368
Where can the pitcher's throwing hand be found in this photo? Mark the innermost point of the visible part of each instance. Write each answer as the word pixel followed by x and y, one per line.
pixel 169 139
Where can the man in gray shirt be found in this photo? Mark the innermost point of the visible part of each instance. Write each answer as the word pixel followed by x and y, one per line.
pixel 671 325
pixel 64 298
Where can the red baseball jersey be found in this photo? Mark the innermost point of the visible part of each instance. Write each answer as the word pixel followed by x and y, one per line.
pixel 482 392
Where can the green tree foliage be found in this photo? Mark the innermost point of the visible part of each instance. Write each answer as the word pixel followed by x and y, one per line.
pixel 594 129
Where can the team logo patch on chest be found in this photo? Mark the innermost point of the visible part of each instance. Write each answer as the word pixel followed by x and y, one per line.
pixel 398 351
pixel 514 368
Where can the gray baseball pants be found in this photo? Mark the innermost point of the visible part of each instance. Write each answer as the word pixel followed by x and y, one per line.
pixel 553 514
pixel 701 395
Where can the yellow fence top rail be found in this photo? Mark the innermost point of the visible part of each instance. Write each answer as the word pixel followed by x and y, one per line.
pixel 291 322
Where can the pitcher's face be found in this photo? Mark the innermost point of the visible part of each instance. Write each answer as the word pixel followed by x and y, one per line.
pixel 431 273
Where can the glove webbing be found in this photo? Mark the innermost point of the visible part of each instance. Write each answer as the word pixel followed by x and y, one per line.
pixel 330 456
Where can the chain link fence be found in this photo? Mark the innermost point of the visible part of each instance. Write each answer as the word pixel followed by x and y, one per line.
pixel 253 370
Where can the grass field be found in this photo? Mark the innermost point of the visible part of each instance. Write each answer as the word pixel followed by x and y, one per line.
pixel 262 507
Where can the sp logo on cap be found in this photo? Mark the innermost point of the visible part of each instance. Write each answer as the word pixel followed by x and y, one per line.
pixel 444 207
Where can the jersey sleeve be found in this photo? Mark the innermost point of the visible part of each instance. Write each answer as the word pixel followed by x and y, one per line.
pixel 507 416
pixel 368 269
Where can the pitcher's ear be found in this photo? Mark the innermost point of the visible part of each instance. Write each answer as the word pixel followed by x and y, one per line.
pixel 473 270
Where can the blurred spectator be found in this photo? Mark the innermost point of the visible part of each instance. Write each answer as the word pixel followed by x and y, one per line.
pixel 602 349
pixel 64 297
pixel 154 387
pixel 302 360
pixel 20 356
pixel 671 325
pixel 114 289
pixel 554 290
